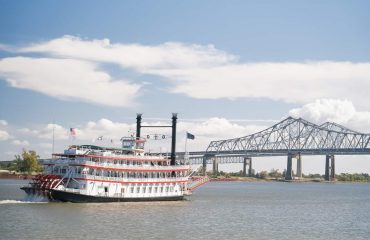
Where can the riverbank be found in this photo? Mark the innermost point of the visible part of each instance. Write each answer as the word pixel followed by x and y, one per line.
pixel 254 179
pixel 4 174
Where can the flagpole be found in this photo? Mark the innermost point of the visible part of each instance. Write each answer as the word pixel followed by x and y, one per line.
pixel 186 145
pixel 52 148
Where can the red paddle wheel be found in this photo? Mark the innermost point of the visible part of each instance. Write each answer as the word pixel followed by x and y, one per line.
pixel 41 183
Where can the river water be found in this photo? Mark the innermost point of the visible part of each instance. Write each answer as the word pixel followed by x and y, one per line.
pixel 217 210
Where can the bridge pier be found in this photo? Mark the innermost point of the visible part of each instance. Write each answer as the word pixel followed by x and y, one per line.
pixel 289 173
pixel 215 166
pixel 330 168
pixel 204 166
pixel 299 165
pixel 247 161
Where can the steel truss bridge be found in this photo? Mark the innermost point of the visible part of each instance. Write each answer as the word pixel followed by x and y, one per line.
pixel 292 137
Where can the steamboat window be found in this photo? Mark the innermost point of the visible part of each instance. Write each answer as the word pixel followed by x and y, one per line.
pixel 155 189
pixel 137 189
pixel 144 188
pixel 132 189
pixel 150 190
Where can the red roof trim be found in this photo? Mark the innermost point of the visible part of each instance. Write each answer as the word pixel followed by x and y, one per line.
pixel 116 158
pixel 131 170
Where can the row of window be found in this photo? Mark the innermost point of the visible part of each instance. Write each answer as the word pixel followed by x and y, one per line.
pixel 129 162
pixel 118 174
pixel 162 189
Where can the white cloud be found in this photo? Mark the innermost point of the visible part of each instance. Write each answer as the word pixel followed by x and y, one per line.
pixel 46 132
pixel 289 82
pixel 3 123
pixel 24 143
pixel 167 55
pixel 205 72
pixel 27 131
pixel 321 110
pixel 67 79
pixel 4 135
pixel 60 133
pixel 334 110
pixel 45 145
pixel 106 128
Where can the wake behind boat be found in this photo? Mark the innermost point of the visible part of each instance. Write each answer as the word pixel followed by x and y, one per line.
pixel 88 173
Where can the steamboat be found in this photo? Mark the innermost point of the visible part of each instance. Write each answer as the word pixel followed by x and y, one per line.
pixel 88 173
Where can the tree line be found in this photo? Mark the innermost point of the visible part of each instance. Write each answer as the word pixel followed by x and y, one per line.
pixel 26 162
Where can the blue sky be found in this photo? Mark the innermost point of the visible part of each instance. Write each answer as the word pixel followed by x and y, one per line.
pixel 214 62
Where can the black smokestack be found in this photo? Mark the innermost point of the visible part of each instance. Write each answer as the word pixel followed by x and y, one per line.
pixel 173 145
pixel 138 125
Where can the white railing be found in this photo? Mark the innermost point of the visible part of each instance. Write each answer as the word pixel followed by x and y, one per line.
pixel 129 180
pixel 142 167
pixel 197 182
pixel 86 161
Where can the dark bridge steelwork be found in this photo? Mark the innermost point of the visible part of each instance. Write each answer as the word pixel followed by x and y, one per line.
pixel 295 136
pixel 292 137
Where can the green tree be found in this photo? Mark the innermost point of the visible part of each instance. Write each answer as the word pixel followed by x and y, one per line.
pixel 275 173
pixel 263 174
pixel 28 162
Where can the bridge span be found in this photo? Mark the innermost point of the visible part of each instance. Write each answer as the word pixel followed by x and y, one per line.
pixel 291 137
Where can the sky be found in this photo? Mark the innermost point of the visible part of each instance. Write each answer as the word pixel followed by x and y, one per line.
pixel 228 68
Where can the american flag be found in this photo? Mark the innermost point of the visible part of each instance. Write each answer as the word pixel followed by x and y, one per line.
pixel 72 132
